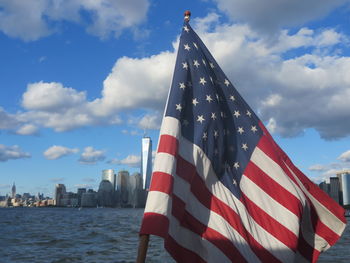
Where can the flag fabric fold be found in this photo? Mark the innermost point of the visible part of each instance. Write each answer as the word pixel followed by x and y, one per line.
pixel 222 190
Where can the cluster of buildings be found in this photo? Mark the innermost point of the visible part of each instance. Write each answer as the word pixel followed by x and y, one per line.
pixel 115 190
pixel 26 199
pixel 339 188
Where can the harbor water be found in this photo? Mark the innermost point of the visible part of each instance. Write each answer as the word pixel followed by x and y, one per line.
pixel 67 235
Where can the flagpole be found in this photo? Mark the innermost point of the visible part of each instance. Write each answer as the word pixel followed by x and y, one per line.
pixel 142 251
pixel 144 238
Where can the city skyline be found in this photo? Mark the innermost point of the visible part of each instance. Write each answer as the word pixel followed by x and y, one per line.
pixel 80 84
pixel 13 187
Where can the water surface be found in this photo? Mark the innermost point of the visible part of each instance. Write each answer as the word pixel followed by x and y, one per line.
pixel 67 235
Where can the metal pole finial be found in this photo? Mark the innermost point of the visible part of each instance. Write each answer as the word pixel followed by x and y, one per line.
pixel 187 15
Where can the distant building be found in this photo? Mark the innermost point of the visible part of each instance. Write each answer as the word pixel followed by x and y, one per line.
pixel 109 175
pixel 60 190
pixel 89 199
pixel 324 186
pixel 80 194
pixel 105 194
pixel 122 188
pixel 26 196
pixel 13 190
pixel 334 188
pixel 146 161
pixel 136 191
pixel 69 199
pixel 345 186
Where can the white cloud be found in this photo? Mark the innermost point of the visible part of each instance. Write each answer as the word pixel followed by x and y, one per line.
pixel 324 171
pixel 51 97
pixel 270 15
pixel 345 156
pixel 130 160
pixel 111 16
pixel 150 122
pixel 307 90
pixel 13 24
pixel 318 168
pixel 27 129
pixel 132 132
pixel 55 106
pixel 91 156
pixel 272 100
pixel 148 89
pixel 102 17
pixel 7 121
pixel 56 152
pixel 12 153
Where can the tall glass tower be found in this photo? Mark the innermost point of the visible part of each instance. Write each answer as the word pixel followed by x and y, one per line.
pixel 345 176
pixel 146 162
pixel 109 175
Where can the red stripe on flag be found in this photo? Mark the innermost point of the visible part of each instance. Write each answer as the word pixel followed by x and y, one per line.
pixel 317 193
pixel 271 149
pixel 188 221
pixel 270 224
pixel 188 172
pixel 321 229
pixel 181 254
pixel 162 182
pixel 168 144
pixel 268 147
pixel 154 223
pixel 273 189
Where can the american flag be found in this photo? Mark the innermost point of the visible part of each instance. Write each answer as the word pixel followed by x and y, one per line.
pixel 222 190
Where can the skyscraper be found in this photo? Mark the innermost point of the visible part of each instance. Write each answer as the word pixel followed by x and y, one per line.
pixel 146 161
pixel 60 190
pixel 345 185
pixel 334 188
pixel 13 190
pixel 122 187
pixel 109 175
pixel 136 192
pixel 105 194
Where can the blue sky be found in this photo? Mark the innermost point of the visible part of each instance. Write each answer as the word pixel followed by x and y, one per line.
pixel 81 81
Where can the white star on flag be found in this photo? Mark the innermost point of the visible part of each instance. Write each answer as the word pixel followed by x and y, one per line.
pixel 236 113
pixel 209 99
pixel 200 118
pixel 240 130
pixel 196 63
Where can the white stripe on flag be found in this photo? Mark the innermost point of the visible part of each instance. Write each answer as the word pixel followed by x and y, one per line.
pixel 325 216
pixel 171 126
pixel 195 243
pixel 165 163
pixel 193 154
pixel 162 206
pixel 269 205
pixel 275 172
pixel 212 219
